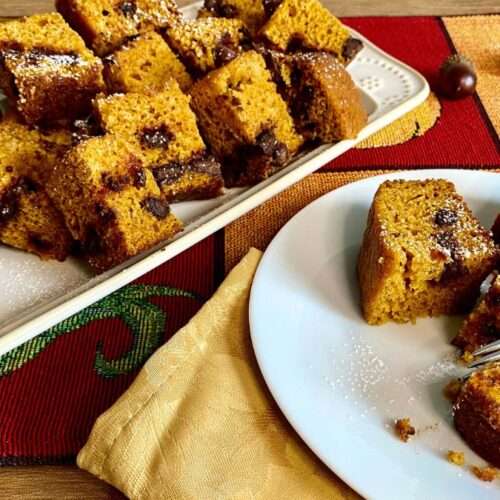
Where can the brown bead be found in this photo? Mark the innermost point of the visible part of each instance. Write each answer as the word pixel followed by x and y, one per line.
pixel 457 77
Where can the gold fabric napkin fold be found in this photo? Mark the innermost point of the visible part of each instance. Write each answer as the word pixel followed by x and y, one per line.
pixel 199 423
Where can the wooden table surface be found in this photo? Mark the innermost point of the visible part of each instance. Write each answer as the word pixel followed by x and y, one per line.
pixel 68 482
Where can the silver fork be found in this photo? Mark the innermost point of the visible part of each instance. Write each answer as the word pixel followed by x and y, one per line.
pixel 487 354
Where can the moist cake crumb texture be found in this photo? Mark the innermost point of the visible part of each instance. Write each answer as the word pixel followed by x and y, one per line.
pixel 423 253
pixel 144 65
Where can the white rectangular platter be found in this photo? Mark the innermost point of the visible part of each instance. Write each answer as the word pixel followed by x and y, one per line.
pixel 36 295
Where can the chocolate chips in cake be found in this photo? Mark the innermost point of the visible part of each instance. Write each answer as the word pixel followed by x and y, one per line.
pixel 46 71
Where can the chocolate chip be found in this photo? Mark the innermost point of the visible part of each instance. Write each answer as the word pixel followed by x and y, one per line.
pixel 204 163
pixel 159 137
pixel 351 47
pixel 105 12
pixel 452 271
pixel 39 243
pixel 229 11
pixel 9 169
pixel 26 185
pixel 297 44
pixel 270 6
pixel 445 217
pixel 115 183
pixel 139 178
pixel 105 214
pixel 272 147
pixel 168 173
pixel 82 130
pixel 128 8
pixel 225 52
pixel 448 241
pixel 92 243
pixel 280 155
pixel 157 206
pixel 211 5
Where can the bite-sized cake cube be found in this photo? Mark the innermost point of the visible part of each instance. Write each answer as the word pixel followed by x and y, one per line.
pixel 496 230
pixel 144 65
pixel 106 24
pixel 110 202
pixel 322 97
pixel 245 120
pixel 307 24
pixel 482 326
pixel 163 129
pixel 28 219
pixel 477 413
pixel 46 70
pixel 423 253
pixel 253 13
pixel 207 43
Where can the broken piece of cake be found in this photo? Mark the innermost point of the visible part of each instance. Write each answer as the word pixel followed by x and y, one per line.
pixel 245 120
pixel 105 25
pixel 46 71
pixel 482 326
pixel 423 253
pixel 322 97
pixel 477 413
pixel 144 64
pixel 308 25
pixel 163 130
pixel 110 202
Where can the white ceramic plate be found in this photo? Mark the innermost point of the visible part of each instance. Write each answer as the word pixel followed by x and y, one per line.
pixel 340 382
pixel 36 295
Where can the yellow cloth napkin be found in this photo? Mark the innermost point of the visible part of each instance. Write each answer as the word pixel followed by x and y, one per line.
pixel 199 423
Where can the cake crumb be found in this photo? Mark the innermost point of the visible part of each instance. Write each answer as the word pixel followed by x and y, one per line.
pixel 487 474
pixel 456 457
pixel 467 357
pixel 404 429
pixel 452 390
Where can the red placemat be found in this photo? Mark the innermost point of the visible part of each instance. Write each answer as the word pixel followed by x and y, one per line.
pixel 53 388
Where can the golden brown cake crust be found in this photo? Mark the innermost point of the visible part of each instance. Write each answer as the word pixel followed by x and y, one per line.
pixel 477 413
pixel 46 70
pixel 423 253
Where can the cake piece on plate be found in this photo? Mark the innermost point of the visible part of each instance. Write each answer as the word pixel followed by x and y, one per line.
pixel 45 69
pixel 482 326
pixel 163 129
pixel 423 253
pixel 110 202
pixel 307 24
pixel 144 65
pixel 28 219
pixel 324 101
pixel 106 24
pixel 477 413
pixel 253 13
pixel 207 43
pixel 245 120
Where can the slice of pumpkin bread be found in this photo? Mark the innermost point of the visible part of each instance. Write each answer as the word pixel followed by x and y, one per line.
pixel 163 129
pixel 245 120
pixel 46 71
pixel 111 204
pixel 144 65
pixel 423 253
pixel 105 25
